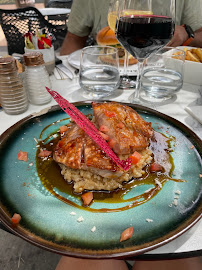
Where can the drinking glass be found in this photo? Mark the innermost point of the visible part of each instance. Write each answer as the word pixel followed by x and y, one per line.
pixel 144 33
pixel 99 71
pixel 162 76
pixel 111 18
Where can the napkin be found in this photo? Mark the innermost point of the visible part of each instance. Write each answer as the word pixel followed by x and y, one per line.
pixel 196 110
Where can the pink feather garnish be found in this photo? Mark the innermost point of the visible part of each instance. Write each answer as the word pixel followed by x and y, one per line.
pixel 83 122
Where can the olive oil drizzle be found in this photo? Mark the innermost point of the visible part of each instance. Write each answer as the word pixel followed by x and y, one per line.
pixel 49 173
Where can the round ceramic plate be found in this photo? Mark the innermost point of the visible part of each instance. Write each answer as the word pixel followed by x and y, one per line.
pixel 74 60
pixel 49 222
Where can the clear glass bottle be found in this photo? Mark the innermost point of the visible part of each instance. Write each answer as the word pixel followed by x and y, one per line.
pixel 36 78
pixel 13 95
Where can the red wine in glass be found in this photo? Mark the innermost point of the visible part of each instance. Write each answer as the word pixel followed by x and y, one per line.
pixel 143 35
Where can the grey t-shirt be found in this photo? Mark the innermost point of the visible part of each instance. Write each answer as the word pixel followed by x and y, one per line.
pixel 89 16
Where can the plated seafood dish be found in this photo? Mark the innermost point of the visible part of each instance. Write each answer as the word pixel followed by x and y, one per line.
pixel 82 160
pixel 126 179
pixel 87 166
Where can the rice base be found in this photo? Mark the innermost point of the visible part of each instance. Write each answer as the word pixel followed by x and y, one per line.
pixel 86 180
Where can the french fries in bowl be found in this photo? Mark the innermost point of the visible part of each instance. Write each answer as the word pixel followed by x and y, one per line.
pixel 194 54
pixel 193 65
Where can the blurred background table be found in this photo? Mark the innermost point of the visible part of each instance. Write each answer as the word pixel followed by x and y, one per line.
pixel 56 16
pixel 54 11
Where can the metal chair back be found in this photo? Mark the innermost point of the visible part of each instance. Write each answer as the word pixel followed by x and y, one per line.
pixel 17 22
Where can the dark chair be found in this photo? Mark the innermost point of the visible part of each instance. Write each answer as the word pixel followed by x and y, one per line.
pixel 17 22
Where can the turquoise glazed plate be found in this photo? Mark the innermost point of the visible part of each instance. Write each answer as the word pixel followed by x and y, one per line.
pixel 57 226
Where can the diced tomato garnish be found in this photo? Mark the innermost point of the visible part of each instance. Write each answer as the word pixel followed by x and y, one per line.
pixel 120 125
pixel 16 219
pixel 22 156
pixel 44 153
pixel 87 198
pixel 156 167
pixel 111 143
pixel 104 136
pixel 135 157
pixel 110 114
pixel 63 129
pixel 103 128
pixel 126 234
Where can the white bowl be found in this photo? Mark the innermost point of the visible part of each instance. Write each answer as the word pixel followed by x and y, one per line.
pixel 192 70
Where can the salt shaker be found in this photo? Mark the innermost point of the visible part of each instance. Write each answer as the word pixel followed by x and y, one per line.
pixel 36 78
pixel 13 95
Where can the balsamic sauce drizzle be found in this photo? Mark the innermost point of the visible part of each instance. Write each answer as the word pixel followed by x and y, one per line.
pixel 49 173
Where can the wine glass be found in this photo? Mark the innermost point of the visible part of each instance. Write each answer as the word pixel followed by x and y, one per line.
pixel 111 18
pixel 144 33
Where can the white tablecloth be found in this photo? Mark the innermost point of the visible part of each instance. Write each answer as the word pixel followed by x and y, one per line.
pixel 188 95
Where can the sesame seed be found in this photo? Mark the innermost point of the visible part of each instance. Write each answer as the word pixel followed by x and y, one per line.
pixel 178 192
pixel 169 149
pixel 149 220
pixel 93 229
pixel 175 202
pixel 80 219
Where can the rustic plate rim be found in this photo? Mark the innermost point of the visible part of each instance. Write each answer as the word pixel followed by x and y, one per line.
pixel 91 254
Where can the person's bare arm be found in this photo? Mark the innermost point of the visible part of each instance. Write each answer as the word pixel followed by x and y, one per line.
pixel 72 43
pixel 180 36
pixel 197 42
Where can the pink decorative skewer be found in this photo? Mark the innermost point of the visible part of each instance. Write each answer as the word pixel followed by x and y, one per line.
pixel 83 122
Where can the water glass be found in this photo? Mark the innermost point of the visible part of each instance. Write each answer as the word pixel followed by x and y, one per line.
pixel 99 71
pixel 163 74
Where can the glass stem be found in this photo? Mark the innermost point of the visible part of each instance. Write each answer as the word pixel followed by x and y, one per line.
pixel 141 64
pixel 125 81
pixel 125 68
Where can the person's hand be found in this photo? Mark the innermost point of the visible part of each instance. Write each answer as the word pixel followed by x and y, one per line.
pixel 180 36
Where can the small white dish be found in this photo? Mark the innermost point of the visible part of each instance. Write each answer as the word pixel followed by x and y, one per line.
pixel 192 70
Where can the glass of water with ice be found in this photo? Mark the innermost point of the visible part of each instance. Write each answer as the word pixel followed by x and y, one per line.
pixel 99 71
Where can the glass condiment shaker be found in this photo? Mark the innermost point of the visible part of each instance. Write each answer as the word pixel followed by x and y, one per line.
pixel 13 95
pixel 36 78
